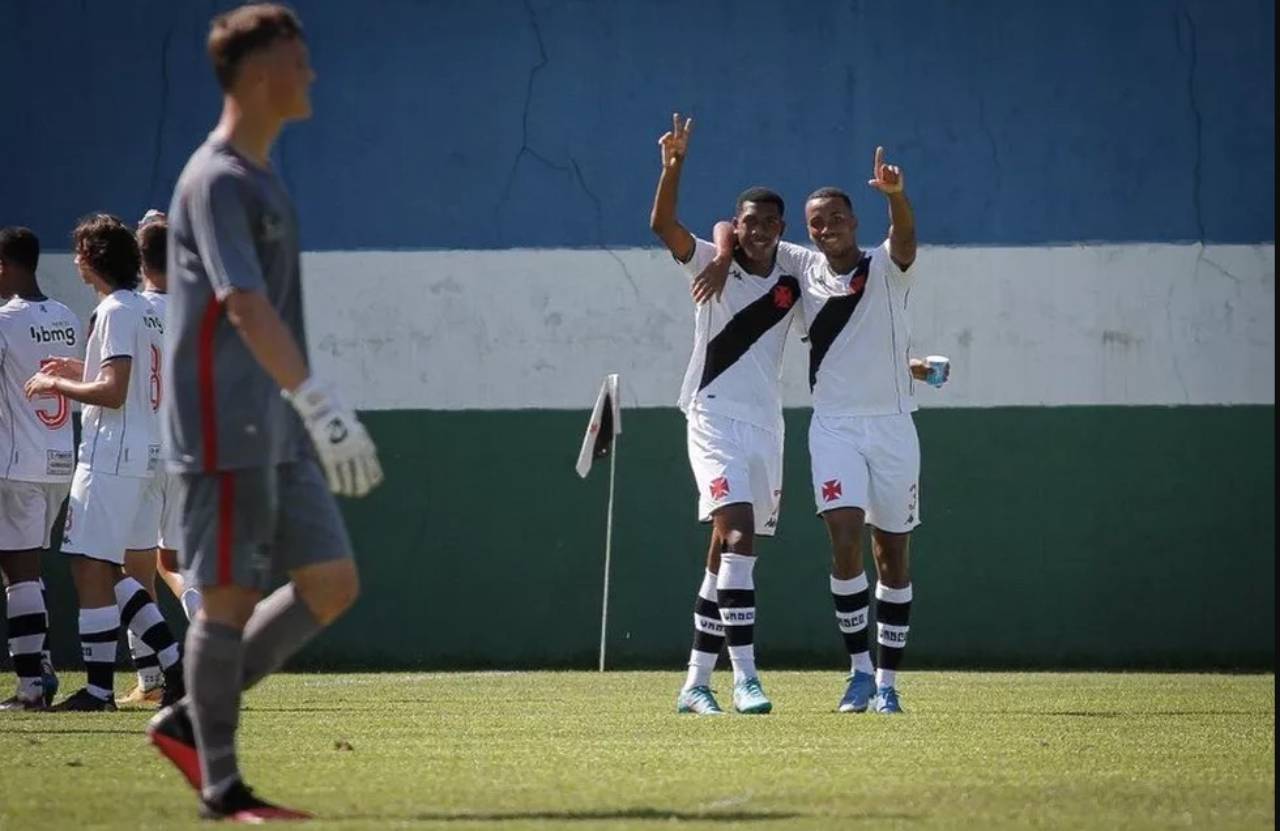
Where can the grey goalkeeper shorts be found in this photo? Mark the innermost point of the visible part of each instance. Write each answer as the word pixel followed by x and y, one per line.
pixel 251 527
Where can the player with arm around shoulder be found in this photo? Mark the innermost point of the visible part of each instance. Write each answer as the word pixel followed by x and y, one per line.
pixel 733 406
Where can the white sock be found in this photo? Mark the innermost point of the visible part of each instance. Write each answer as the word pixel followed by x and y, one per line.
pixel 893 615
pixel 145 663
pixel 708 635
pixel 851 602
pixel 99 631
pixel 735 589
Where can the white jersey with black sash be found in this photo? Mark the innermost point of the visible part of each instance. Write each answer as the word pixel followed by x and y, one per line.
pixel 858 332
pixel 736 365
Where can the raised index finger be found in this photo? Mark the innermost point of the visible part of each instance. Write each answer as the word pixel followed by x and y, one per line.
pixel 875 170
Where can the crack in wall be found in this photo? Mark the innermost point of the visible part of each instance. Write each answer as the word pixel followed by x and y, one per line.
pixel 599 208
pixel 572 169
pixel 1174 343
pixel 1197 118
pixel 162 119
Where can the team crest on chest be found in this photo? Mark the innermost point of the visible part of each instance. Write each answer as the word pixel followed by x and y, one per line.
pixel 858 283
pixel 783 297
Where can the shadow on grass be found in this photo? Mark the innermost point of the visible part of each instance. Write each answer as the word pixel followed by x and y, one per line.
pixel 1133 713
pixel 248 708
pixel 651 814
pixel 88 731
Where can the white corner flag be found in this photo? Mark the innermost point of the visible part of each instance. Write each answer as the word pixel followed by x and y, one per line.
pixel 600 441
pixel 605 424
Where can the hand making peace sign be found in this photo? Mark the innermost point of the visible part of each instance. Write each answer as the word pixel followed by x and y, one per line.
pixel 675 143
pixel 886 178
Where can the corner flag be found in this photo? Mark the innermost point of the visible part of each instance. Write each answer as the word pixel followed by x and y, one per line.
pixel 604 427
pixel 605 424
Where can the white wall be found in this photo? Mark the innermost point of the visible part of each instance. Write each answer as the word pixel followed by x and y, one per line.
pixel 1089 325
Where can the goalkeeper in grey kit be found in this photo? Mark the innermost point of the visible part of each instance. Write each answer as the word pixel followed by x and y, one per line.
pixel 257 441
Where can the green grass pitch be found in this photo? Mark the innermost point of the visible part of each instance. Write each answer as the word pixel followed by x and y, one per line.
pixel 580 750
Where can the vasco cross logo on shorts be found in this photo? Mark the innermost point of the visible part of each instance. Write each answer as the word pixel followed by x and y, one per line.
pixel 831 490
pixel 719 487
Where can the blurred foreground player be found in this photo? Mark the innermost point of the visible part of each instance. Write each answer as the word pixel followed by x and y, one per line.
pixel 256 500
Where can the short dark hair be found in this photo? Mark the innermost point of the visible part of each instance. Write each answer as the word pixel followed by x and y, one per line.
pixel 240 32
pixel 759 195
pixel 20 246
pixel 107 245
pixel 831 193
pixel 153 244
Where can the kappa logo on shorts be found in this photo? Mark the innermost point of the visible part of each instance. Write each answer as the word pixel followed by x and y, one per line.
pixel 719 487
pixel 831 490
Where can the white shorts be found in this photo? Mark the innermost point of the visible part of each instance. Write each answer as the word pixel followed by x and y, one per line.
pixel 868 462
pixel 167 488
pixel 27 513
pixel 107 514
pixel 735 462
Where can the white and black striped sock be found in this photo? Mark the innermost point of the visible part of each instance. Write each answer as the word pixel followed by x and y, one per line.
pixel 48 656
pixel 145 663
pixel 708 634
pixel 99 631
pixel 893 618
pixel 851 598
pixel 735 592
pixel 28 627
pixel 139 613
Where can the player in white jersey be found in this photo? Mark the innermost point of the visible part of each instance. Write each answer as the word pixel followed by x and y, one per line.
pixel 36 458
pixel 733 407
pixel 863 447
pixel 143 566
pixel 109 510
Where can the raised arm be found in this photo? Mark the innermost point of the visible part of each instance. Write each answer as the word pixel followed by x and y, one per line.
pixel 663 220
pixel 888 179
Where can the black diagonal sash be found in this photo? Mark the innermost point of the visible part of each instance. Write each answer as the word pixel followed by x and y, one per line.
pixel 831 319
pixel 747 326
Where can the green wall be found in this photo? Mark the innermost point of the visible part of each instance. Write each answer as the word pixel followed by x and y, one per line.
pixel 1064 537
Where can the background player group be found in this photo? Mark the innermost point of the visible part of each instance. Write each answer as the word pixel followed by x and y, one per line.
pixel 749 287
pixel 245 482
pixel 122 514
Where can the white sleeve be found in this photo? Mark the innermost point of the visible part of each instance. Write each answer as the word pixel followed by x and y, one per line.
pixel 703 253
pixel 891 266
pixel 796 259
pixel 119 333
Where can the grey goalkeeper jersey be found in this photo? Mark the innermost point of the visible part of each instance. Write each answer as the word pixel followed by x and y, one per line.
pixel 232 227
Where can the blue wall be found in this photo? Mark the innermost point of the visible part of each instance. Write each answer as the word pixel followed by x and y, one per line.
pixel 500 124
